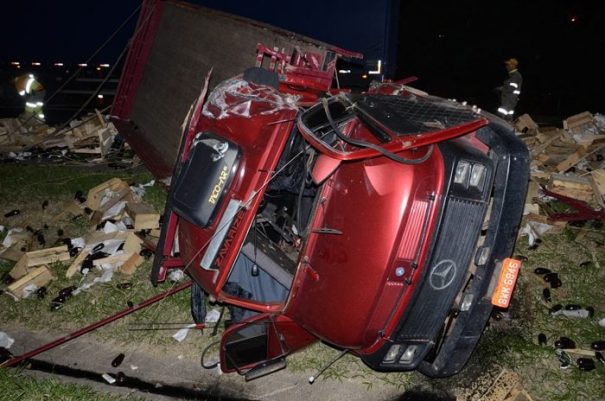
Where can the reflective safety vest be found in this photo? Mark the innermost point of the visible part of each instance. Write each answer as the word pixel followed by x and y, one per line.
pixel 27 84
pixel 511 89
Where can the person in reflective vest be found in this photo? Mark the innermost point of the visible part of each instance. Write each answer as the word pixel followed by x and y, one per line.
pixel 510 89
pixel 29 88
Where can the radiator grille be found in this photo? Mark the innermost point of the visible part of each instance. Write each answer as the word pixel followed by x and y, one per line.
pixel 443 277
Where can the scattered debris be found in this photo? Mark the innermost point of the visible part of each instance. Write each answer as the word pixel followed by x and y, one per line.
pixel 585 364
pixel 6 341
pixel 542 339
pixel 91 135
pixel 111 246
pixel 117 361
pixel 38 277
pixel 182 333
pixel 567 162
pixel 508 386
pixel 176 275
pixel 108 378
pixel 565 343
pixel 12 213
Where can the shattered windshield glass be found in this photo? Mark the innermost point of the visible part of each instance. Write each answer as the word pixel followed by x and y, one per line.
pixel 405 115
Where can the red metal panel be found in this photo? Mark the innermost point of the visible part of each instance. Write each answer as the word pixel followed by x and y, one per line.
pixel 342 284
pixel 140 46
pixel 412 232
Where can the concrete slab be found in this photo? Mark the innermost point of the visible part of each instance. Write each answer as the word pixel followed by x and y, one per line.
pixel 182 370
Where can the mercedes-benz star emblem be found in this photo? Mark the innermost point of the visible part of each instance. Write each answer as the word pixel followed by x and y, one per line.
pixel 443 274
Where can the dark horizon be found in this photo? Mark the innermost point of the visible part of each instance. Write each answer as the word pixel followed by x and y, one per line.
pixel 456 49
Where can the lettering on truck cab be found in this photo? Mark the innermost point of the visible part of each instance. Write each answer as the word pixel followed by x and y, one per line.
pixel 220 184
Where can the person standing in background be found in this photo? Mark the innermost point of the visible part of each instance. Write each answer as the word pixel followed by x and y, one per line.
pixel 29 88
pixel 510 89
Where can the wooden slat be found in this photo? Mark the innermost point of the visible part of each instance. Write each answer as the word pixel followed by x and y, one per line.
pixel 143 216
pixel 597 179
pixel 47 256
pixel 96 194
pixel 131 264
pixel 75 265
pixel 39 276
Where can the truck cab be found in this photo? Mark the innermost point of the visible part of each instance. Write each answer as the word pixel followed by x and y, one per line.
pixel 377 222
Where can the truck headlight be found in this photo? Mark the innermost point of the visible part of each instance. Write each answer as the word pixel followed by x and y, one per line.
pixel 477 176
pixel 408 355
pixel 392 354
pixel 462 171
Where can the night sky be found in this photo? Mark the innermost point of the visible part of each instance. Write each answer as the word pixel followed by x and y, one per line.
pixel 455 48
pixel 63 30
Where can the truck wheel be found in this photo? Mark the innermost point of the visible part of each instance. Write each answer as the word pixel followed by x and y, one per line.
pixel 198 304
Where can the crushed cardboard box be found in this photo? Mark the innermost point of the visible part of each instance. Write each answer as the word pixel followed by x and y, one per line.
pixel 114 231
pixel 568 161
pixel 88 135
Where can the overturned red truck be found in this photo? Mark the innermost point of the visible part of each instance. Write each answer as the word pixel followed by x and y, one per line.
pixel 377 222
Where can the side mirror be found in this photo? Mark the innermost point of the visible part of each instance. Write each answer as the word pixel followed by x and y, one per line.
pixel 253 350
pixel 258 346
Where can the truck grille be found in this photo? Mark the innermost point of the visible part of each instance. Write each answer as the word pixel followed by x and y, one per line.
pixel 443 278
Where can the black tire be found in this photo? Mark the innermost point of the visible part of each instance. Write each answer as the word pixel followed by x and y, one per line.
pixel 198 304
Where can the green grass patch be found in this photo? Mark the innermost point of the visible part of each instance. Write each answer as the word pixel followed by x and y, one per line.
pixel 15 386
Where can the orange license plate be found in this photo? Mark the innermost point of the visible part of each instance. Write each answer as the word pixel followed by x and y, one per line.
pixel 506 283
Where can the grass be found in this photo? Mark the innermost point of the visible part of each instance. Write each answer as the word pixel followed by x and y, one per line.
pixel 25 187
pixel 510 343
pixel 24 388
pixel 513 344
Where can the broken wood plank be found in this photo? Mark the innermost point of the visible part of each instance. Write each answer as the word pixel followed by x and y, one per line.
pixel 39 276
pixel 16 250
pixel 597 180
pixel 570 181
pixel 133 243
pixel 588 140
pixel 557 226
pixel 143 216
pixel 541 148
pixel 131 264
pixel 76 264
pixel 105 140
pixel 99 236
pixel 526 124
pixel 20 269
pixel 577 120
pixel 97 194
pixel 101 119
pixel 539 175
pixel 47 256
pixel 572 160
